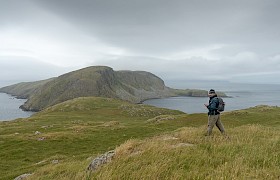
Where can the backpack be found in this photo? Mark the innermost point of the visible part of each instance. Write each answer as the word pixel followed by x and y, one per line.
pixel 221 105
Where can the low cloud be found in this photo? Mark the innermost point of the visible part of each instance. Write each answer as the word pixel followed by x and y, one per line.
pixel 22 69
pixel 247 64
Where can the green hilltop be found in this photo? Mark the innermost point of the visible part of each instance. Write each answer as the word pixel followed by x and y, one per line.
pixel 149 143
pixel 99 81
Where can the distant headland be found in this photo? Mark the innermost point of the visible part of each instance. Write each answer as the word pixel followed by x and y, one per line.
pixel 99 81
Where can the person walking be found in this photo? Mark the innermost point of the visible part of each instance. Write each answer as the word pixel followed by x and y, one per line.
pixel 213 113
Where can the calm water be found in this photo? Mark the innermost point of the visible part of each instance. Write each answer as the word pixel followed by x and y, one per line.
pixel 9 108
pixel 243 96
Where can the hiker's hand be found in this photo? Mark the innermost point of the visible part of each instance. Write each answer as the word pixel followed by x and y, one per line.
pixel 206 105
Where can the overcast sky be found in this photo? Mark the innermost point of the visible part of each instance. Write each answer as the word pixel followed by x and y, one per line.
pixel 237 41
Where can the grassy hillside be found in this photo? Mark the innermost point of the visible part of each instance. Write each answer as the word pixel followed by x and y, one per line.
pixel 73 131
pixel 25 89
pixel 150 143
pixel 101 81
pixel 252 152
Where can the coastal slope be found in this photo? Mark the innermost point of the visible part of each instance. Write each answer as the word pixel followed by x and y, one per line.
pixel 61 141
pixel 98 81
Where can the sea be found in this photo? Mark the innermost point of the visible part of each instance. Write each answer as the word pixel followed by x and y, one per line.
pixel 9 108
pixel 241 96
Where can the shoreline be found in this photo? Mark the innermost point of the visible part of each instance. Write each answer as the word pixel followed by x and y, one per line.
pixel 233 103
pixel 26 114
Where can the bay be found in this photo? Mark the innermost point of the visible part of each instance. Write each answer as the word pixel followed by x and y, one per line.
pixel 9 108
pixel 241 96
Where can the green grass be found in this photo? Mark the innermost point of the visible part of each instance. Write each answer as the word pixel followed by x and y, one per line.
pixel 251 152
pixel 149 142
pixel 74 130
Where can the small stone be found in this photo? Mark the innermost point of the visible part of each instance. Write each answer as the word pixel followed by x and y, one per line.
pixel 37 133
pixel 23 176
pixel 41 139
pixel 55 161
pixel 41 162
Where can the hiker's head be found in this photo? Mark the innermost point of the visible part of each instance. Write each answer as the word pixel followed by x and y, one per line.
pixel 211 93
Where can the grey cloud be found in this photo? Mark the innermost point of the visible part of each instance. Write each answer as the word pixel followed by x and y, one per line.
pixel 16 12
pixel 146 34
pixel 154 27
pixel 197 68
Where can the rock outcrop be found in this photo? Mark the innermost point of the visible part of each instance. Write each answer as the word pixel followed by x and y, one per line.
pixel 23 176
pixel 100 160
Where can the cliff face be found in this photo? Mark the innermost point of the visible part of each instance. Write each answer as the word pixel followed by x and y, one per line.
pixel 137 86
pixel 102 81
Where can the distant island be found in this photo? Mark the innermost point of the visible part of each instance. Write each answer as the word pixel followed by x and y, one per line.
pixel 98 81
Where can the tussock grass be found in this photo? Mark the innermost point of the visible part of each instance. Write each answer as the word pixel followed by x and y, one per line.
pixel 64 171
pixel 251 152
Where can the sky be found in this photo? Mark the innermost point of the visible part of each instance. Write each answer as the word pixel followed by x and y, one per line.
pixel 178 40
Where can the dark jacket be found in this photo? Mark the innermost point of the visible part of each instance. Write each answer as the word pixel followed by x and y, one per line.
pixel 213 105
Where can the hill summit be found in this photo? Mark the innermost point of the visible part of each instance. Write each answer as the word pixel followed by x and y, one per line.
pixel 99 81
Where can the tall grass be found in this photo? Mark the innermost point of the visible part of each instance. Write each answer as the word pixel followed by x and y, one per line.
pixel 250 152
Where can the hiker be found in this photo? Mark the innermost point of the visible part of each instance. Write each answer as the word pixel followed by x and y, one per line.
pixel 213 113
